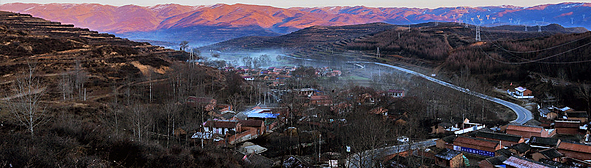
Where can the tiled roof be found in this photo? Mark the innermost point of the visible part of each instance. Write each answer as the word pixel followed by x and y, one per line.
pixel 499 136
pixel 476 142
pixel 525 128
pixel 521 147
pixel 551 153
pixel 567 123
pixel 251 123
pixel 449 139
pixel 542 141
pixel 520 162
pixel 497 160
pixel 447 154
pixel 320 97
pixel 221 124
pixel 574 147
pixel 544 110
pixel 504 152
pixel 577 114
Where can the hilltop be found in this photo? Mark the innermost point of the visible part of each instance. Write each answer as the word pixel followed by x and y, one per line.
pixel 215 23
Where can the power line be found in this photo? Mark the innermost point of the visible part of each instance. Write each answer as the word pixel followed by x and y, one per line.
pixel 534 51
pixel 540 59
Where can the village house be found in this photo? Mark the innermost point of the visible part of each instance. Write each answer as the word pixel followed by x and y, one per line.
pixel 396 93
pixel 519 149
pixel 548 154
pixel 521 162
pixel 259 125
pixel 504 152
pixel 320 100
pixel 505 139
pixel 575 150
pixel 492 162
pixel 248 78
pixel 577 115
pixel 568 127
pixel 527 131
pixel 543 142
pixel 476 146
pixel 449 158
pixel 466 127
pixel 266 115
pixel 306 92
pixel 548 113
pixel 222 127
pixel 521 93
pixel 446 142
pixel 440 128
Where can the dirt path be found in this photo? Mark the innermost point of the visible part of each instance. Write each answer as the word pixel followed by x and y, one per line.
pixel 36 91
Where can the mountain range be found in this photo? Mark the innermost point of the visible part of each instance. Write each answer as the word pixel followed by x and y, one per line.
pixel 221 22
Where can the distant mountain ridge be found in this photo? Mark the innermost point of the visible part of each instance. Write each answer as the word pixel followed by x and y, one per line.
pixel 139 22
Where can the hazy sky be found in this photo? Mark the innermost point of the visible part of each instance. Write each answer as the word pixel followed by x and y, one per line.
pixel 310 3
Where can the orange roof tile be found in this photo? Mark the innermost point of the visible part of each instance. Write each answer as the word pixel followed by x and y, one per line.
pixel 525 128
pixel 575 147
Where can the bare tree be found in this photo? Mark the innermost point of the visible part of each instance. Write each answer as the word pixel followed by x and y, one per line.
pixel 184 45
pixel 140 120
pixel 81 77
pixel 171 109
pixel 235 101
pixel 584 92
pixel 66 86
pixel 25 104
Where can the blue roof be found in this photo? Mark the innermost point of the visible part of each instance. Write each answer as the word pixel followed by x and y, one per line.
pixel 262 115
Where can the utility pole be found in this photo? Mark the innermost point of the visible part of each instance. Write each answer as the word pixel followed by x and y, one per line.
pixel 378 52
pixel 319 145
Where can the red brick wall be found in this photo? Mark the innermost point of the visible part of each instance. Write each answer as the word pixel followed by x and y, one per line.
pixel 485 164
pixel 570 131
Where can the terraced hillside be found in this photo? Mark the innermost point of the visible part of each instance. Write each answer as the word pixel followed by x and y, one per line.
pixel 58 50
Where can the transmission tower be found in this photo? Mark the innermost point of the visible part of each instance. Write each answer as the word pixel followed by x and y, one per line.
pixel 478 33
pixel 478 28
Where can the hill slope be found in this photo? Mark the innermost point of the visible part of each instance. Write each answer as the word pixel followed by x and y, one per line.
pixel 59 49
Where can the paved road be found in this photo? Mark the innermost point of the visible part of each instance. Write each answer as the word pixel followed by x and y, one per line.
pixel 523 115
pixel 367 158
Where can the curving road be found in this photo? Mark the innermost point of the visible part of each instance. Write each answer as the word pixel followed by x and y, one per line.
pixel 523 115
